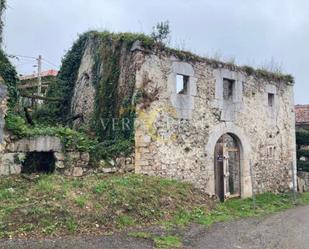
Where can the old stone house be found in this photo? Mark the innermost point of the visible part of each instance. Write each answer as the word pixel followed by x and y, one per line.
pixel 222 127
pixel 226 129
pixel 28 86
pixel 302 116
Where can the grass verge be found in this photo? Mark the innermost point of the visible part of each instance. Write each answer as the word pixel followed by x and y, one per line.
pixel 56 205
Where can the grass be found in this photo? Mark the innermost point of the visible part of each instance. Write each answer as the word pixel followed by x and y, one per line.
pixel 57 205
pixel 166 242
pixel 266 203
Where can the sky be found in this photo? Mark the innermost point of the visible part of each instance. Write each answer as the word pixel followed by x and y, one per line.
pixel 261 33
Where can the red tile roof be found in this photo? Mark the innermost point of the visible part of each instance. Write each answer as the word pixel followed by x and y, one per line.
pixel 302 114
pixel 51 72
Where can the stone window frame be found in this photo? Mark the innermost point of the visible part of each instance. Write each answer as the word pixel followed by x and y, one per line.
pixel 237 77
pixel 185 83
pixel 271 99
pixel 183 103
pixel 271 110
pixel 229 95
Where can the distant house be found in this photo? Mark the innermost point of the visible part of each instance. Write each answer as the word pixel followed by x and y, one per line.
pixel 302 116
pixel 29 85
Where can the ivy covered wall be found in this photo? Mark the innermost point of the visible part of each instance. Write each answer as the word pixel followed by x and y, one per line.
pixel 113 78
pixel 9 76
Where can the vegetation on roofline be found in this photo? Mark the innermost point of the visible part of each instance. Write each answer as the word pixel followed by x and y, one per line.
pixel 156 42
pixel 109 46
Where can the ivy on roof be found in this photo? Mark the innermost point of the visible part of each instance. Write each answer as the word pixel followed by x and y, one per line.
pixel 149 43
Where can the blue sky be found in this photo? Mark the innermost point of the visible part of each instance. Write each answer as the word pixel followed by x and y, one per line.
pixel 250 32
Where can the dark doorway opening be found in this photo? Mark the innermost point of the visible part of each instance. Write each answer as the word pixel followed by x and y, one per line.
pixel 39 162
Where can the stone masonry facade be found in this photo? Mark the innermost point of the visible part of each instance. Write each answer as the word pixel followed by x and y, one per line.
pixel 66 162
pixel 192 103
pixel 180 131
pixel 3 110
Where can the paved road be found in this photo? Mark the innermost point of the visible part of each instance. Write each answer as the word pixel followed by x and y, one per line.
pixel 286 230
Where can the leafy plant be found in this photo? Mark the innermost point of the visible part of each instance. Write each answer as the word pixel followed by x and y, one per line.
pixel 71 139
pixel 161 32
pixel 167 242
pixel 81 201
pixel 8 73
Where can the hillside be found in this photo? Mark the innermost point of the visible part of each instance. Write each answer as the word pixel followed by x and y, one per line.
pixel 54 205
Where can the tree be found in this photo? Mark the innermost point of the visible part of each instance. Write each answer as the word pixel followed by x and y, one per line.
pixel 161 32
pixel 2 8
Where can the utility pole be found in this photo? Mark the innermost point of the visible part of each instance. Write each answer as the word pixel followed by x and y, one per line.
pixel 39 59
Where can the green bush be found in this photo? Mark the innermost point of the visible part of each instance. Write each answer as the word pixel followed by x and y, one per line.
pixel 8 73
pixel 302 152
pixel 71 139
pixel 302 137
pixel 303 166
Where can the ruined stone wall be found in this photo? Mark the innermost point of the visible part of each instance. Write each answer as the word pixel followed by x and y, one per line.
pixel 84 91
pixel 66 162
pixel 179 133
pixel 95 66
pixel 3 110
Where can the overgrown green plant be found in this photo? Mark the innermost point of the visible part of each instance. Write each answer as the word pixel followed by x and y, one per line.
pixel 161 32
pixel 71 139
pixel 2 8
pixel 64 85
pixel 302 139
pixel 110 101
pixel 8 73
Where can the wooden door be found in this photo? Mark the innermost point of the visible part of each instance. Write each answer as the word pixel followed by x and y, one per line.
pixel 219 171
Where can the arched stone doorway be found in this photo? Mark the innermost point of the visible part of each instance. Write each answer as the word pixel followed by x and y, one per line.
pixel 227 167
pixel 244 157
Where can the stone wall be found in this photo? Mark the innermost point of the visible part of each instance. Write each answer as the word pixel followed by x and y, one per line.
pixel 175 134
pixel 3 109
pixel 69 163
pixel 179 133
pixel 84 91
pixel 66 162
pixel 90 75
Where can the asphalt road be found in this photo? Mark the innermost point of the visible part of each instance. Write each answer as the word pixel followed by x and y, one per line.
pixel 286 230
